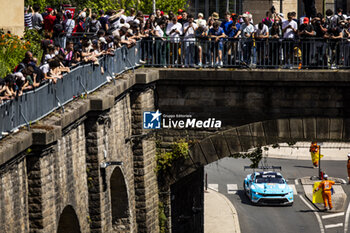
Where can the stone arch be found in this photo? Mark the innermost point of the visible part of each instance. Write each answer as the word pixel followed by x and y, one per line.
pixel 68 221
pixel 243 138
pixel 119 202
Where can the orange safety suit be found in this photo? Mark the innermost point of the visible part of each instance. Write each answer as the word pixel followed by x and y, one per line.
pixel 314 150
pixel 348 166
pixel 326 186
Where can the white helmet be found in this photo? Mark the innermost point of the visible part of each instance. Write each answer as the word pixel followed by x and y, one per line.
pixel 325 176
pixel 348 154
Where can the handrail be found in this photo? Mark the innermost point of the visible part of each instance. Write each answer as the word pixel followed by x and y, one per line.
pixel 36 104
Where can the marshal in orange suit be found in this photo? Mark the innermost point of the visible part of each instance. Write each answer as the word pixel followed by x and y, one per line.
pixel 326 186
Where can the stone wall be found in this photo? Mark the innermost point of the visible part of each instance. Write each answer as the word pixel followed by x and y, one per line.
pixel 12 16
pixel 57 178
pixel 14 197
pixel 106 134
pixel 146 187
pixel 55 167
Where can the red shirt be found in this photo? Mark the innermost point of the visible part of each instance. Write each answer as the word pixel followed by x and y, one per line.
pixel 48 22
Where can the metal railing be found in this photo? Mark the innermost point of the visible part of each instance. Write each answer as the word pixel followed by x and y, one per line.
pixel 269 53
pixel 258 53
pixel 38 103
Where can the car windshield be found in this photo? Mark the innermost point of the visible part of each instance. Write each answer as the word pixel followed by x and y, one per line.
pixel 269 178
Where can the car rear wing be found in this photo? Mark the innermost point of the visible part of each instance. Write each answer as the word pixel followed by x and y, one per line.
pixel 264 168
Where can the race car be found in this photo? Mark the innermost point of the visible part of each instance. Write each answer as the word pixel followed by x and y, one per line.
pixel 268 187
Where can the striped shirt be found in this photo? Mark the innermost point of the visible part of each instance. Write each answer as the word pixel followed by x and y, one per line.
pixel 28 23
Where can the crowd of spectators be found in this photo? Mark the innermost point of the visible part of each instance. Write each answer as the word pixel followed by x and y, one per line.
pixel 171 38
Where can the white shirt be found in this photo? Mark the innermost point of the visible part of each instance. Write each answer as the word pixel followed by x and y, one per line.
pixel 45 68
pixel 160 31
pixel 200 22
pixel 289 32
pixel 69 26
pixel 263 32
pixel 174 36
pixel 129 18
pixel 48 57
pixel 190 34
pixel 247 29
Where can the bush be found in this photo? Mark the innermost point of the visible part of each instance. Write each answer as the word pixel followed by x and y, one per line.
pixel 12 49
pixel 165 159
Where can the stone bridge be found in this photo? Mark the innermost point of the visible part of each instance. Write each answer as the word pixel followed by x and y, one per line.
pixel 52 176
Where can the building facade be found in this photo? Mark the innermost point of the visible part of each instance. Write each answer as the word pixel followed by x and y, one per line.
pixel 12 16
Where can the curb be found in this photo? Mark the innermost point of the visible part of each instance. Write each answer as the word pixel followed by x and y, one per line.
pixel 339 200
pixel 237 228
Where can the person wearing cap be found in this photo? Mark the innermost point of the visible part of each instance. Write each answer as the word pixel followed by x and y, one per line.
pixel 247 30
pixel 231 46
pixel 215 16
pixel 326 186
pixel 216 33
pixel 305 32
pixel 200 20
pixel 49 20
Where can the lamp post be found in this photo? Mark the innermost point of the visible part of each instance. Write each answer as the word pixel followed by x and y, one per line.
pixel 319 159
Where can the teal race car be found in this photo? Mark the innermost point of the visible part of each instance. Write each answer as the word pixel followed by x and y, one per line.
pixel 268 187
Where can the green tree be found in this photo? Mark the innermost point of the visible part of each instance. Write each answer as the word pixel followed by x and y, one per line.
pixel 146 6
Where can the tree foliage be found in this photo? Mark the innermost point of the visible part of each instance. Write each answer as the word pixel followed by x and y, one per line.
pixel 12 49
pixel 165 159
pixel 255 156
pixel 146 6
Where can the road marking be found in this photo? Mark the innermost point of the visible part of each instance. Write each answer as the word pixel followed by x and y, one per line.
pixel 294 189
pixel 346 225
pixel 214 187
pixel 316 213
pixel 332 215
pixel 333 225
pixel 296 181
pixel 232 188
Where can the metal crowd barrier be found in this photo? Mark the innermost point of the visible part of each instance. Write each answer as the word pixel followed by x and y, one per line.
pixel 258 53
pixel 38 103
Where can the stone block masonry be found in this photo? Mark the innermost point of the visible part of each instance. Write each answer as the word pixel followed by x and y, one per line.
pixel 56 179
pixel 51 179
pixel 146 187
pixel 14 198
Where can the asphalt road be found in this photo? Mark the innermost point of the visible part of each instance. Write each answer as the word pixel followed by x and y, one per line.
pixel 270 219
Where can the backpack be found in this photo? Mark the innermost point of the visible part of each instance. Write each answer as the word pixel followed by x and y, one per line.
pixel 93 26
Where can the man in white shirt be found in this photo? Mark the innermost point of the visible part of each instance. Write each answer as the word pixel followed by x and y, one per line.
pixel 201 20
pixel 174 31
pixel 189 39
pixel 289 29
pixel 261 33
pixel 160 43
pixel 247 30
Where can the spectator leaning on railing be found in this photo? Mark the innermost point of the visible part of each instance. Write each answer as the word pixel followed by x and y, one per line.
pixel 179 40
